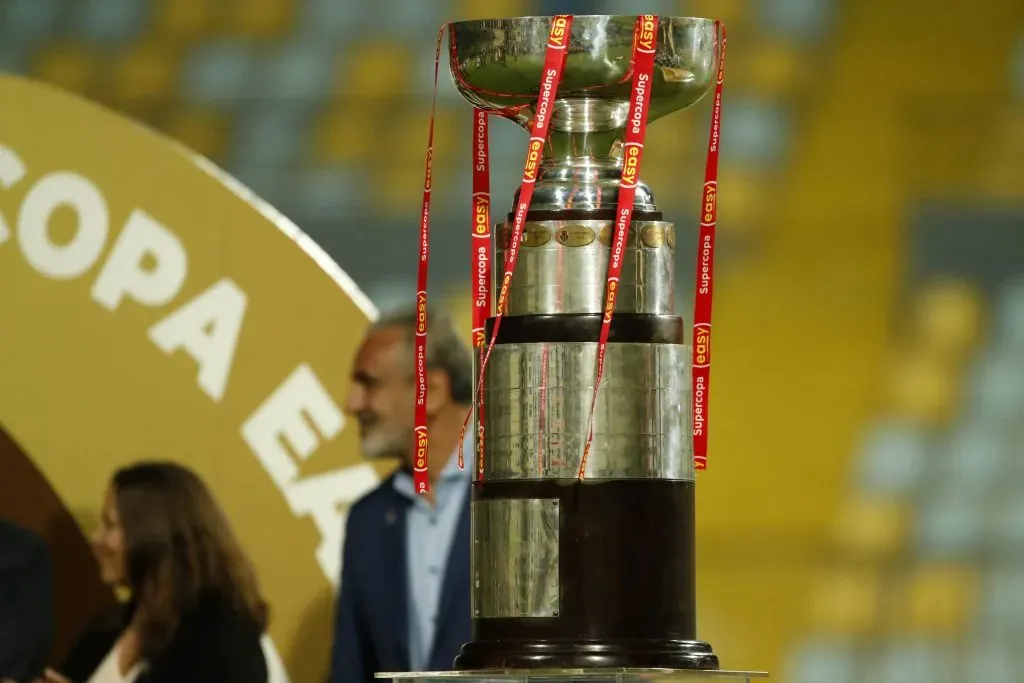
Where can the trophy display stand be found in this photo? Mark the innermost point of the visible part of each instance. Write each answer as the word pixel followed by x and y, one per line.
pixel 584 578
pixel 603 675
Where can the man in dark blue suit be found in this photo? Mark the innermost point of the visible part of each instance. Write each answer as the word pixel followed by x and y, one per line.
pixel 404 602
pixel 26 604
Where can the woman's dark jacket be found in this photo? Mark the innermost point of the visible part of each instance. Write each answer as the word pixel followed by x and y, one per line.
pixel 213 643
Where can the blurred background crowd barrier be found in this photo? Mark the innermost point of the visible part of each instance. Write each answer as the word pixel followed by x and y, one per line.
pixel 862 518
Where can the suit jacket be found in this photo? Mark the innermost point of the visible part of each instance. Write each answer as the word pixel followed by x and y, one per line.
pixel 26 603
pixel 213 643
pixel 372 620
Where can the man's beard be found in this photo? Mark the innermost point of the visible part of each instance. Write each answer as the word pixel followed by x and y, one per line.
pixel 379 445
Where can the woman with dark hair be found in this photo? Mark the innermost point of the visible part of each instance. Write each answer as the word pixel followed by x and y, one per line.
pixel 195 613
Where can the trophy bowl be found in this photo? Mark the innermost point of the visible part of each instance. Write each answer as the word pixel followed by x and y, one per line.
pixel 496 64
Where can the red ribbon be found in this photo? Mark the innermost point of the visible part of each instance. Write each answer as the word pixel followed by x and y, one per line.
pixel 645 36
pixel 481 244
pixel 420 475
pixel 705 272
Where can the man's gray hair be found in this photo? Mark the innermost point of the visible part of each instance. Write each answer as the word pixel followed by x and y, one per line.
pixel 446 350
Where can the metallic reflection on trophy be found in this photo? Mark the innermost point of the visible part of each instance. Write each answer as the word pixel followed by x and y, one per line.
pixel 599 573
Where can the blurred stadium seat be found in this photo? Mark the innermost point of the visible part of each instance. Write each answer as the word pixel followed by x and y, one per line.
pixel 329 22
pixel 777 69
pixel 109 21
pixel 835 661
pixel 271 136
pixel 947 317
pixel 204 131
pixel 217 72
pixel 336 140
pixel 1017 70
pixel 663 8
pixel 975 461
pixel 1010 321
pixel 950 525
pixel 749 196
pixel 989 662
pixel 892 460
pixel 323 194
pixel 754 133
pixel 846 602
pixel 402 138
pixel 144 74
pixel 996 391
pixel 293 71
pixel 258 19
pixel 412 20
pixel 398 193
pixel 922 388
pixel 184 20
pixel 70 65
pixel 27 22
pixel 913 660
pixel 937 601
pixel 390 292
pixel 733 13
pixel 373 72
pixel 464 10
pixel 1002 606
pixel 13 57
pixel 795 20
pixel 1001 175
pixel 871 530
pixel 1008 519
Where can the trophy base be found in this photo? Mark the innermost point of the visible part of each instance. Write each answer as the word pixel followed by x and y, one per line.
pixel 561 654
pixel 580 675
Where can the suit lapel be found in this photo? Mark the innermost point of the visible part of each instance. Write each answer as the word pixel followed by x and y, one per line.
pixel 396 581
pixel 456 577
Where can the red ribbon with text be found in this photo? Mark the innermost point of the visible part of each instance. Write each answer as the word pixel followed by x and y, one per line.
pixel 482 249
pixel 645 37
pixel 551 75
pixel 705 272
pixel 420 473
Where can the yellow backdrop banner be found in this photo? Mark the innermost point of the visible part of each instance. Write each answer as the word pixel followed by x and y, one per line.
pixel 153 308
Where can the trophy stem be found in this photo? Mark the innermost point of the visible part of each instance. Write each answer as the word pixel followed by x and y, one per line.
pixel 582 161
pixel 580 146
pixel 585 127
pixel 581 173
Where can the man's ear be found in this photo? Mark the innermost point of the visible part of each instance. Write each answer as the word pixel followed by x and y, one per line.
pixel 439 391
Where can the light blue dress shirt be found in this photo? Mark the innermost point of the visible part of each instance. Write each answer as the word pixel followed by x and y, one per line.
pixel 429 532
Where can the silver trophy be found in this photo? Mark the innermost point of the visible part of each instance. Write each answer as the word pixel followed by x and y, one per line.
pixel 590 578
